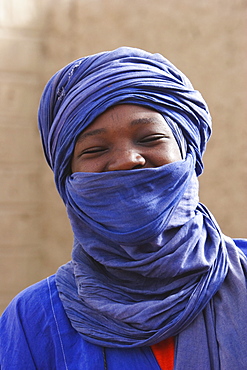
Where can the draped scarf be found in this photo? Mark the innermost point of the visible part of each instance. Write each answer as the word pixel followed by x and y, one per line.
pixel 149 261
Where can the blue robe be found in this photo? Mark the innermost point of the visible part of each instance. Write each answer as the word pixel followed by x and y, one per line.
pixel 36 334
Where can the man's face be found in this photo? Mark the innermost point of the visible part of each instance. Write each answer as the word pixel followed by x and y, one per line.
pixel 125 137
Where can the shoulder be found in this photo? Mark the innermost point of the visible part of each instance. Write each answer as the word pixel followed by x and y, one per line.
pixel 241 244
pixel 32 300
pixel 29 327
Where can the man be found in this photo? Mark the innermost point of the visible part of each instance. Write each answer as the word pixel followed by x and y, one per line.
pixel 153 283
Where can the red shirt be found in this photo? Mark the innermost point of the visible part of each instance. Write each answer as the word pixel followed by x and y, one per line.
pixel 164 353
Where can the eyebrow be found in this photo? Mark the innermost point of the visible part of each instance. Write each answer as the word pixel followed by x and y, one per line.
pixel 139 121
pixel 84 135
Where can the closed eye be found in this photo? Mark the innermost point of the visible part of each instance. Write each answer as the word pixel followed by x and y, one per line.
pixel 93 150
pixel 155 137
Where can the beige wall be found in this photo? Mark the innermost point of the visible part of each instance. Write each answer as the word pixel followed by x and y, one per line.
pixel 205 39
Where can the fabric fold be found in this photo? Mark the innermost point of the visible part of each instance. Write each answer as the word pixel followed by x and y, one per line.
pixel 141 289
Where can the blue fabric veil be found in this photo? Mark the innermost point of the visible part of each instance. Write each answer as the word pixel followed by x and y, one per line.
pixel 148 261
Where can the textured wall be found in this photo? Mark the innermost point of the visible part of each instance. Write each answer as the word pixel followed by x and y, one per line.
pixel 205 39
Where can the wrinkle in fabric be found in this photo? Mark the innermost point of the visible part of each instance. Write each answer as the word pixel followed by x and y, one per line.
pixel 84 89
pixel 147 286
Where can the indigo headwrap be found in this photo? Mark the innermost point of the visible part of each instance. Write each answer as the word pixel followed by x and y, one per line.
pixel 148 261
pixel 78 93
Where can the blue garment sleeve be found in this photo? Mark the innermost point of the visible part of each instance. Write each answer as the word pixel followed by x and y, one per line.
pixel 241 244
pixel 15 349
pixel 29 338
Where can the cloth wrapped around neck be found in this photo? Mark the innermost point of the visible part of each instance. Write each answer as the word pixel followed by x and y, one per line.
pixel 147 279
pixel 141 273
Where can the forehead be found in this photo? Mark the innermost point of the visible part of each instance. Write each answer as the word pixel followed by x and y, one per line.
pixel 127 111
pixel 122 116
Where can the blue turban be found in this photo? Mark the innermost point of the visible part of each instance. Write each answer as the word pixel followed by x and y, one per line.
pixel 85 88
pixel 149 261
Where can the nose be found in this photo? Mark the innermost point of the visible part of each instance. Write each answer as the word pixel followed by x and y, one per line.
pixel 126 160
